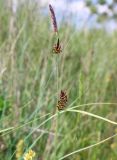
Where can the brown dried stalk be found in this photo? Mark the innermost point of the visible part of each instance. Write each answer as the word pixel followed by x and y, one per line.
pixel 53 17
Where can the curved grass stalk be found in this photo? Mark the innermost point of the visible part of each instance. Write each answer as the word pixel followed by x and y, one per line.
pixel 88 147
pixel 92 115
pixel 90 104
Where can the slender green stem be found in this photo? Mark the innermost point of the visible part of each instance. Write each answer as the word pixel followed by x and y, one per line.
pixel 57 84
pixel 57 74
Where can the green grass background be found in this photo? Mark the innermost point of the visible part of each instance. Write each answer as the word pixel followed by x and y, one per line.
pixel 28 87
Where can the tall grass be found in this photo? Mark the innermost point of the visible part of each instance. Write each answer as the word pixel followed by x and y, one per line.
pixel 28 88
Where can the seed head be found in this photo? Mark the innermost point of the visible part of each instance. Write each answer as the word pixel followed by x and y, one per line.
pixel 53 18
pixel 62 100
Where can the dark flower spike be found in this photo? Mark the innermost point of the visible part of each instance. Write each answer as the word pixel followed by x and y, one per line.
pixel 57 47
pixel 53 17
pixel 62 101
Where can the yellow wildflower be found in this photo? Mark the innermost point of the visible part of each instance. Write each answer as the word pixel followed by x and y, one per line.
pixel 30 155
pixel 19 149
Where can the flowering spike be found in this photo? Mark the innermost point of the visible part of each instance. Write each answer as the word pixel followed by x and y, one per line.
pixel 62 100
pixel 53 17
